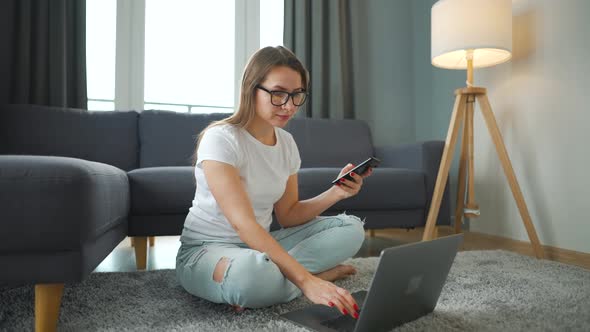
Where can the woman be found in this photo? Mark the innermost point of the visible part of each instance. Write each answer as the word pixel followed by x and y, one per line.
pixel 246 167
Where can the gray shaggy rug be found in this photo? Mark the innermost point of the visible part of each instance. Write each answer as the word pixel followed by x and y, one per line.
pixel 486 290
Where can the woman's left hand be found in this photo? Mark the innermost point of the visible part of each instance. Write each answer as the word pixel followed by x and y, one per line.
pixel 347 188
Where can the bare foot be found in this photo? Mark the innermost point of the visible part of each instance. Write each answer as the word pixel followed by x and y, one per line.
pixel 237 308
pixel 338 272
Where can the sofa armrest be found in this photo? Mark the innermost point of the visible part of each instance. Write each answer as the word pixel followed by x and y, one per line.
pixel 424 156
pixel 58 203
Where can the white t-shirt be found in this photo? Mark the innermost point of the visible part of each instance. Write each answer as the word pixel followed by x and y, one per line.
pixel 264 171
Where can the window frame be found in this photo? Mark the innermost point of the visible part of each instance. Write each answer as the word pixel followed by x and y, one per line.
pixel 130 52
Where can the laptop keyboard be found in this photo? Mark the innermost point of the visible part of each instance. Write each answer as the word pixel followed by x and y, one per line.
pixel 343 323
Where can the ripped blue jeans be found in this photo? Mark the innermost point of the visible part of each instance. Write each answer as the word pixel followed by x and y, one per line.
pixel 251 279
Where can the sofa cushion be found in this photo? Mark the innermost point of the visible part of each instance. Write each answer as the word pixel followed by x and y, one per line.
pixel 170 190
pixel 168 138
pixel 331 143
pixel 58 203
pixel 385 189
pixel 161 190
pixel 106 137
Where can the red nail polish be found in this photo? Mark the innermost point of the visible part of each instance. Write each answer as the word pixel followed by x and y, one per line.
pixel 330 304
pixel 352 174
pixel 344 311
pixel 356 315
pixel 356 307
pixel 342 180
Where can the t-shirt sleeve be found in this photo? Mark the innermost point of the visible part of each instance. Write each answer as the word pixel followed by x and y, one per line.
pixel 295 158
pixel 218 145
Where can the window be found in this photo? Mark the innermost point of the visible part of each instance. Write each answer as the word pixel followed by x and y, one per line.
pixel 100 53
pixel 189 53
pixel 191 58
pixel 271 22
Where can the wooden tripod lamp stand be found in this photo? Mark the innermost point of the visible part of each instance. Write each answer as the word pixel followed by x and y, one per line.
pixel 469 34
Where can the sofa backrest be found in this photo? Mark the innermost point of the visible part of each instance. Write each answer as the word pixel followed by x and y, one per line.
pixel 151 138
pixel 107 137
pixel 331 143
pixel 168 138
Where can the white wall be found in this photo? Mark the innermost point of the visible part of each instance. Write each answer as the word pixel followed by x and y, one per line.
pixel 541 99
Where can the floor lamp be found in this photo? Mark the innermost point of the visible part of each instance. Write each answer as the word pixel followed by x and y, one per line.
pixel 468 34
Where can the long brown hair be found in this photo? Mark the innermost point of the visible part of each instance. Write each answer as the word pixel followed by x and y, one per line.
pixel 259 65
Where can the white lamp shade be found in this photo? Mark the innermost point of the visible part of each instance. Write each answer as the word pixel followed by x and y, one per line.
pixel 484 26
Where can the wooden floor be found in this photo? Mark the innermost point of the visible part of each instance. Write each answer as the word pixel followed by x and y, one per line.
pixel 162 255
pixel 479 241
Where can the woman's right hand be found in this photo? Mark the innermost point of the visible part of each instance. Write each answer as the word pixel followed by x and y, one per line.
pixel 324 292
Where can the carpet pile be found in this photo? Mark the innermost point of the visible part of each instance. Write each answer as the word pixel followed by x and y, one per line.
pixel 485 291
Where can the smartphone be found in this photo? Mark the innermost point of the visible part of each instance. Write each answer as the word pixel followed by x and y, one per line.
pixel 360 169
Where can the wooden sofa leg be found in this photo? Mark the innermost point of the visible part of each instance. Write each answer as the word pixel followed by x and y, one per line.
pixel 152 241
pixel 371 232
pixel 140 246
pixel 435 232
pixel 47 304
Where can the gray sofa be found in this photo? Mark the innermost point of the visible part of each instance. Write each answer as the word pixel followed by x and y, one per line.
pixel 74 183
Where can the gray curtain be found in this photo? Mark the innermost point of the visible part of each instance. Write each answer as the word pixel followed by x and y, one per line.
pixel 43 58
pixel 319 33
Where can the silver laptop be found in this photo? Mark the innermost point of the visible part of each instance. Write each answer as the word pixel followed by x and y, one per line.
pixel 406 286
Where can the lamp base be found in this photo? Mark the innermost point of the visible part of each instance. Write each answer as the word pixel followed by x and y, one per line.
pixel 461 113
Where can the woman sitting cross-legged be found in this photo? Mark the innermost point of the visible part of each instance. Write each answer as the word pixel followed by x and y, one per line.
pixel 245 168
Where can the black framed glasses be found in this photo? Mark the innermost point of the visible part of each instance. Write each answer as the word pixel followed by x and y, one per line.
pixel 280 98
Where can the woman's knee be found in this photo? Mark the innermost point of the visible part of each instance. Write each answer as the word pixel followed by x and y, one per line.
pixel 355 228
pixel 252 280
